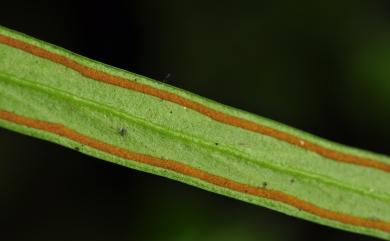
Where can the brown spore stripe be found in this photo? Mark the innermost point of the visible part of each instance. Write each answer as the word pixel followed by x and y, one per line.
pixel 207 111
pixel 181 168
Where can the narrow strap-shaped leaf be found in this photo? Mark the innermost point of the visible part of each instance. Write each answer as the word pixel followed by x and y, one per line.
pixel 53 94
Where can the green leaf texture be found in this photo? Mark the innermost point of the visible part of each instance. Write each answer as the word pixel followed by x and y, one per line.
pixel 53 94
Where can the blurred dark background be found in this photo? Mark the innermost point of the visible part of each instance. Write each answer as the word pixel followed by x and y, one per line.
pixel 320 66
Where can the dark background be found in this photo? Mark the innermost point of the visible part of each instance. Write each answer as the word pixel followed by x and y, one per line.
pixel 323 67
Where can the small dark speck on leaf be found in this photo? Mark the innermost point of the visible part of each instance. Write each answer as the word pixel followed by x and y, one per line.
pixel 77 148
pixel 170 112
pixel 292 180
pixel 265 184
pixel 122 132
pixel 216 143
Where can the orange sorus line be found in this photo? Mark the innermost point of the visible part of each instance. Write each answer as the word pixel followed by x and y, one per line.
pixel 207 111
pixel 181 168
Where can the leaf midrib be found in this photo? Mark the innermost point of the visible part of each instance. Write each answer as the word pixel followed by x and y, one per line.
pixel 228 150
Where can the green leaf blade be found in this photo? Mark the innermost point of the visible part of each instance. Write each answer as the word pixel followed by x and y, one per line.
pixel 246 165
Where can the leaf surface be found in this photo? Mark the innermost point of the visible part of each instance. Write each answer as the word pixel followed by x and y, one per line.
pixel 53 94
